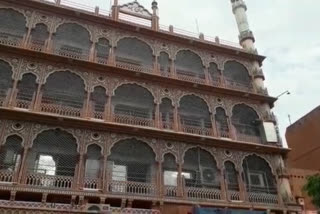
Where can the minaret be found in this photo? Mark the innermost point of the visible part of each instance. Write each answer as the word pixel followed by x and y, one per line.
pixel 155 15
pixel 246 37
pixel 247 40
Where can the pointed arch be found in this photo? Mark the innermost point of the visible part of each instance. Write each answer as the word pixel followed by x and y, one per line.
pixel 231 176
pixel 166 113
pixel 194 115
pixel 38 37
pixel 200 169
pixel 133 104
pixel 98 101
pixel 66 44
pixel 102 49
pixel 6 80
pixel 27 88
pixel 13 27
pixel 188 64
pixel 134 52
pixel 237 76
pixel 54 153
pixel 247 123
pixel 222 125
pixel 258 176
pixel 63 93
pixel 134 160
pixel 164 64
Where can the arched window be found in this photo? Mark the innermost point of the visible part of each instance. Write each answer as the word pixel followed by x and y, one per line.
pixel 52 160
pixel 214 74
pixel 231 176
pixel 247 124
pixel 63 93
pixel 237 76
pixel 38 38
pixel 258 177
pixel 164 64
pixel 200 171
pixel 132 163
pixel 98 102
pixel 222 123
pixel 27 89
pixel 12 27
pixel 102 51
pixel 166 111
pixel 72 40
pixel 93 167
pixel 170 175
pixel 10 156
pixel 5 81
pixel 135 54
pixel 189 66
pixel 194 115
pixel 133 104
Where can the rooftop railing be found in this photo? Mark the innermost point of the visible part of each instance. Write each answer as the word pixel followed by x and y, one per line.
pixel 140 22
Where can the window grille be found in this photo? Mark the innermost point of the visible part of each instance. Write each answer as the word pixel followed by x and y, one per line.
pixel 237 76
pixel 98 102
pixel 5 80
pixel 222 123
pixel 195 116
pixel 134 54
pixel 39 36
pixel 165 64
pixel 201 175
pixel 12 27
pixel 63 94
pixel 132 168
pixel 189 66
pixel 258 175
pixel 246 122
pixel 52 160
pixel 134 105
pixel 170 175
pixel 166 111
pixel 66 44
pixel 102 51
pixel 10 156
pixel 214 74
pixel 27 88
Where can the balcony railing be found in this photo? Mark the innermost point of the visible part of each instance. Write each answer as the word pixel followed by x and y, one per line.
pixel 91 183
pixel 202 193
pixel 3 96
pixel 237 85
pixel 190 76
pixel 49 181
pixel 247 133
pixel 25 98
pixel 132 188
pixel 6 176
pixel 11 39
pixel 129 64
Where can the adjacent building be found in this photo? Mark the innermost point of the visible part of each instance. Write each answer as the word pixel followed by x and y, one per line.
pixel 303 137
pixel 110 112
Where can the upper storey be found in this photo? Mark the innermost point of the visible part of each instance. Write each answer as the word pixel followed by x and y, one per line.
pixel 190 60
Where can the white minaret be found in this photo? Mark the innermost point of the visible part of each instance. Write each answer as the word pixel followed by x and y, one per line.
pixel 246 37
pixel 247 40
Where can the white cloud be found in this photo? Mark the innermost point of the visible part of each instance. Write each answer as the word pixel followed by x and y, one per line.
pixel 287 32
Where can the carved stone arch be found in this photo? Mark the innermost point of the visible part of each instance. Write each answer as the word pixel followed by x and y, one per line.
pixel 146 141
pixel 203 97
pixel 29 72
pixel 85 82
pixel 254 107
pixel 98 37
pixel 143 85
pixel 38 129
pixel 236 166
pixel 95 85
pixel 103 32
pixel 273 171
pixel 26 13
pixel 246 65
pixel 93 143
pixel 171 153
pixel 146 41
pixel 14 70
pixel 214 110
pixel 191 50
pixel 42 18
pixel 170 94
pixel 5 137
pixel 207 149
pixel 61 22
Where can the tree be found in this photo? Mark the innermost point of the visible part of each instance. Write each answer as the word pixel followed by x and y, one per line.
pixel 312 188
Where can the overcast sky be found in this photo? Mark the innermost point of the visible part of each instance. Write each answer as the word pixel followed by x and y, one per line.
pixel 286 31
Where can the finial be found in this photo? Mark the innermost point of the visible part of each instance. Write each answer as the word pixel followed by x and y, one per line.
pixel 154 4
